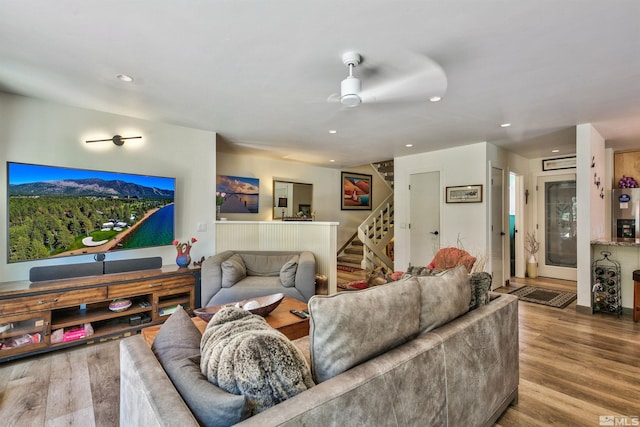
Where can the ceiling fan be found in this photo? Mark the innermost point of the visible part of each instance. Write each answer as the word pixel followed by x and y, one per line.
pixel 414 78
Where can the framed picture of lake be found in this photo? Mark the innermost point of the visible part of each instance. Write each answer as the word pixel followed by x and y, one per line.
pixel 356 191
pixel 464 194
pixel 236 194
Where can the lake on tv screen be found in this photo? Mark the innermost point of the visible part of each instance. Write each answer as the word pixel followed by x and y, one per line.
pixel 157 230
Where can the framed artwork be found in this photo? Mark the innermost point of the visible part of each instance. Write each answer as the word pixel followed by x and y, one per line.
pixel 560 163
pixel 356 191
pixel 236 194
pixel 464 194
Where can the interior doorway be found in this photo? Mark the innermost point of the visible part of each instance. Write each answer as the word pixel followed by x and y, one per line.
pixel 517 201
pixel 512 224
pixel 424 221
pixel 497 227
pixel 557 226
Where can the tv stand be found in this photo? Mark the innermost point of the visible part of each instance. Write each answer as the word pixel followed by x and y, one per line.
pixel 33 315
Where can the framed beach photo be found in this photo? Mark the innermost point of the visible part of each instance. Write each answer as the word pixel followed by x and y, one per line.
pixel 464 194
pixel 237 194
pixel 356 191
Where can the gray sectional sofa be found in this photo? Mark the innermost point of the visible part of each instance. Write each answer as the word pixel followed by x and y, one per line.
pixel 407 353
pixel 232 276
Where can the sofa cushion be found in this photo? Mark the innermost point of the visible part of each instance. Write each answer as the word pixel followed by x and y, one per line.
pixel 242 354
pixel 233 270
pixel 444 297
pixel 288 272
pixel 349 328
pixel 177 348
pixel 264 265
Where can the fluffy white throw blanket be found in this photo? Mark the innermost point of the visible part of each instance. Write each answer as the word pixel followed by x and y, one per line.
pixel 242 354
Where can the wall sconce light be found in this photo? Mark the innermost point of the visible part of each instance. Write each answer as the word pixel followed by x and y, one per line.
pixel 117 139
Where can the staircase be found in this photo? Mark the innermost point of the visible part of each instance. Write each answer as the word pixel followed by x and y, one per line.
pixel 371 246
pixel 385 169
pixel 351 254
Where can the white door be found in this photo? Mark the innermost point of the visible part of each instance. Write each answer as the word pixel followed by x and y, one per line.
pixel 557 227
pixel 424 211
pixel 497 228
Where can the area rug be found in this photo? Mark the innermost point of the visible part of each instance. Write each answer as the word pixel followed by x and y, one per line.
pixel 347 268
pixel 356 285
pixel 550 297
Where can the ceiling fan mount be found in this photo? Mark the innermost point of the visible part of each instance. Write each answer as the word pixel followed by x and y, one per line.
pixel 350 87
pixel 412 77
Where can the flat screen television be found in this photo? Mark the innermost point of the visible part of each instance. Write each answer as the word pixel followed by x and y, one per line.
pixel 58 211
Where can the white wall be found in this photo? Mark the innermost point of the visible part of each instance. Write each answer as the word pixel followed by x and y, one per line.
pixel 589 144
pixel 34 131
pixel 326 188
pixel 466 221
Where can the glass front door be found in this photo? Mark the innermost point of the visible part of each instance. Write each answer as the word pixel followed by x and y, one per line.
pixel 557 222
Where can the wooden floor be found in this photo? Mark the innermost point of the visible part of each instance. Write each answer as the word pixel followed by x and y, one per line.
pixel 574 368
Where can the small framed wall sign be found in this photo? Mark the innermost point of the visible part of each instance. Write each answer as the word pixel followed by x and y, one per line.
pixel 464 194
pixel 559 163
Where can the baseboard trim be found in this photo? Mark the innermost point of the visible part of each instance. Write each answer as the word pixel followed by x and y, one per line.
pixel 584 309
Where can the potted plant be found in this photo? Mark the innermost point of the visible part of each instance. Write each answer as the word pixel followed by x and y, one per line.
pixel 532 247
pixel 220 197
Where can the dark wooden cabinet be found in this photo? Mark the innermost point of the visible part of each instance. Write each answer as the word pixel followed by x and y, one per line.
pixel 44 316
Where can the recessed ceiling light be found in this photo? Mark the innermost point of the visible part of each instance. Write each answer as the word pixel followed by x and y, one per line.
pixel 332 160
pixel 505 125
pixel 408 145
pixel 124 78
pixel 435 98
pixel 332 131
pixel 555 151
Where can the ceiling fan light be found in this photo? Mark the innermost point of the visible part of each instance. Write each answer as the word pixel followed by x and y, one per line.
pixel 350 100
pixel 349 89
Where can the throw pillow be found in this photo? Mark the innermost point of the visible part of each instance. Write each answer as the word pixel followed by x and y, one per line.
pixel 233 270
pixel 177 348
pixel 418 271
pixel 288 272
pixel 480 286
pixel 444 297
pixel 242 354
pixel 349 328
pixel 447 258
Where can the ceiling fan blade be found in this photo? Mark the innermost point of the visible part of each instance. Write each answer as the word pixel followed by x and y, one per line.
pixel 427 80
pixel 334 97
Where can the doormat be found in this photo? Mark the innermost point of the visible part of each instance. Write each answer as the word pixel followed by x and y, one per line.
pixel 550 297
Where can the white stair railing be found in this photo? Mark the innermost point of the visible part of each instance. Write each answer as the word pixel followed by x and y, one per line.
pixel 376 232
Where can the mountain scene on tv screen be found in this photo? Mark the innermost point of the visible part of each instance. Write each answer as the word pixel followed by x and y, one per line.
pixel 90 215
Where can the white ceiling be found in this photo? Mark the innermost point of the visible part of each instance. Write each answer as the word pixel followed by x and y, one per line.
pixel 259 72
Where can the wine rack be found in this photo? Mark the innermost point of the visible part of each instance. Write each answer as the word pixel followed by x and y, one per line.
pixel 606 290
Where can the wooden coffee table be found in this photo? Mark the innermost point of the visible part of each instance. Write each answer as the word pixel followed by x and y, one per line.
pixel 281 319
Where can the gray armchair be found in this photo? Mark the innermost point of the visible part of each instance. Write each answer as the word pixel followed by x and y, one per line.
pixel 237 275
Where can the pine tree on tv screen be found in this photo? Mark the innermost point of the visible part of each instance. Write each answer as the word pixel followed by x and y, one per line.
pixel 55 211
